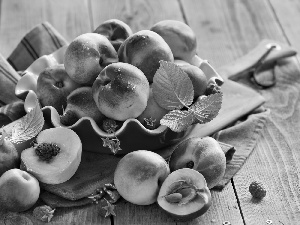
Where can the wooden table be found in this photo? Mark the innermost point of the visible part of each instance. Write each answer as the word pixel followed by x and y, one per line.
pixel 226 30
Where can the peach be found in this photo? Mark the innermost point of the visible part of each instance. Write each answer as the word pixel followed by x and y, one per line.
pixel 139 175
pixel 144 49
pixel 56 156
pixel 152 114
pixel 80 103
pixel 202 154
pixel 184 195
pixel 9 157
pixel 116 31
pixel 53 87
pixel 87 55
pixel 28 81
pixel 197 77
pixel 121 91
pixel 179 36
pixel 19 190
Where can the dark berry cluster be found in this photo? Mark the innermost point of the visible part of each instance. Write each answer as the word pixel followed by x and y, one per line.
pixel 257 190
pixel 46 151
pixel 69 118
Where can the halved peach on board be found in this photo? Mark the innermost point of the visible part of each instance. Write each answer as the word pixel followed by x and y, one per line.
pixel 202 154
pixel 56 156
pixel 184 195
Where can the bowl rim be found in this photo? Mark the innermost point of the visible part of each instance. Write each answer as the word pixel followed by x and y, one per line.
pixel 55 58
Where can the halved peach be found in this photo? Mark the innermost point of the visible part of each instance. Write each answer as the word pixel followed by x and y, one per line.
pixel 184 195
pixel 56 156
pixel 203 154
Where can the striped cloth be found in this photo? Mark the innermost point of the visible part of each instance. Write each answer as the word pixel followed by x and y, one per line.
pixel 41 40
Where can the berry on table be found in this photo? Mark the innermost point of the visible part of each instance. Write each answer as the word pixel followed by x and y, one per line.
pixel 257 190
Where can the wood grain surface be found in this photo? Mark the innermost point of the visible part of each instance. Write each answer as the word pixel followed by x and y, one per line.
pixel 226 30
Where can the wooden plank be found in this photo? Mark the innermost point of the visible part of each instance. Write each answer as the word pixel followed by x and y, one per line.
pixel 231 29
pixel 289 23
pixel 79 215
pixel 275 161
pixel 138 14
pixel 228 29
pixel 224 208
pixel 70 18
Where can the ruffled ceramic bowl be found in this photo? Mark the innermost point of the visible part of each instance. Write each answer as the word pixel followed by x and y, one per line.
pixel 130 137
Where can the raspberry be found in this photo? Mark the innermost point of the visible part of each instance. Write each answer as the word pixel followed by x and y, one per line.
pixel 68 118
pixel 257 190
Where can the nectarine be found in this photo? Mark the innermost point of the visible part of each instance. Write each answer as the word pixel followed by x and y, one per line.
pixel 179 36
pixel 87 55
pixel 56 156
pixel 202 154
pixel 121 91
pixel 152 114
pixel 144 49
pixel 9 157
pixel 53 87
pixel 80 103
pixel 139 175
pixel 184 195
pixel 197 77
pixel 115 30
pixel 19 190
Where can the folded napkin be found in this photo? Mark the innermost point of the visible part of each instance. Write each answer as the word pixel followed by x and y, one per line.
pixel 237 140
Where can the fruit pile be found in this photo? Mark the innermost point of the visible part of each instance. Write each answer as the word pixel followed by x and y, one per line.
pixel 179 186
pixel 112 75
pixel 54 159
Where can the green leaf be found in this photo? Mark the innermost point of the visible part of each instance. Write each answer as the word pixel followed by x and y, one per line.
pixel 28 126
pixel 202 111
pixel 178 120
pixel 172 87
pixel 206 108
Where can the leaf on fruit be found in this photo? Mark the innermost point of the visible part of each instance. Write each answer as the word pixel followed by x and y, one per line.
pixel 207 108
pixel 172 87
pixel 28 126
pixel 202 111
pixel 178 120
